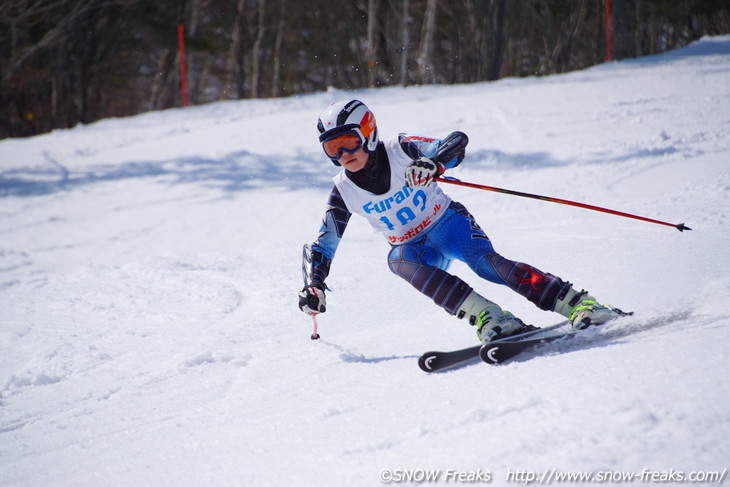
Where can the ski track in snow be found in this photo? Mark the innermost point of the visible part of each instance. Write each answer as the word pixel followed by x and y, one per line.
pixel 149 266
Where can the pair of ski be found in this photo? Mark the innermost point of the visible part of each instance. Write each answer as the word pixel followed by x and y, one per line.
pixel 494 352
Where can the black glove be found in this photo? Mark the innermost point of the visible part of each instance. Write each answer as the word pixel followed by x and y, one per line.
pixel 312 299
pixel 422 172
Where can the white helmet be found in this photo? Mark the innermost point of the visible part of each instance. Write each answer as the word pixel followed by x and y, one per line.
pixel 346 116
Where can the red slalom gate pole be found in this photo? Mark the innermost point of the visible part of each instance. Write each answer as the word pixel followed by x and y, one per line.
pixel 679 226
pixel 181 55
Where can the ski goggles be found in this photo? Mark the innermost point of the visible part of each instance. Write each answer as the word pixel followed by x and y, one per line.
pixel 349 141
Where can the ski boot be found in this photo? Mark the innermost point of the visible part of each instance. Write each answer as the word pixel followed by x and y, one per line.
pixel 582 309
pixel 492 322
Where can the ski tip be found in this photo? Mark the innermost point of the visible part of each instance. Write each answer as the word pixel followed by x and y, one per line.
pixel 489 353
pixel 682 227
pixel 425 362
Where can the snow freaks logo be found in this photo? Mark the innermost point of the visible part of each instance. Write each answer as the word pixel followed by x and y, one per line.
pixel 421 475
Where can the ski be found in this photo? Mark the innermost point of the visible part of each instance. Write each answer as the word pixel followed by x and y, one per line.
pixel 497 352
pixel 434 361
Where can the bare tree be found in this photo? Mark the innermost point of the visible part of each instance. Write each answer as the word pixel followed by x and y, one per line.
pixel 371 50
pixel 277 58
pixel 233 86
pixel 405 39
pixel 256 51
pixel 424 60
pixel 500 40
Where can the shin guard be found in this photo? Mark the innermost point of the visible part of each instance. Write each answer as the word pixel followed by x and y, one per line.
pixel 539 287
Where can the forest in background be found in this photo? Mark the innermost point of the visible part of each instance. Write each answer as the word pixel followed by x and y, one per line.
pixel 65 62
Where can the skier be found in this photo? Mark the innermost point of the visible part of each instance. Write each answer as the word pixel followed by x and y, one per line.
pixel 392 183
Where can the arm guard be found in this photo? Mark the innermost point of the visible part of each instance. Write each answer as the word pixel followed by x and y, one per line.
pixel 315 267
pixel 317 257
pixel 450 151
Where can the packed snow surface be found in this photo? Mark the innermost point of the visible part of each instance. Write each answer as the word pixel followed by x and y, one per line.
pixel 149 266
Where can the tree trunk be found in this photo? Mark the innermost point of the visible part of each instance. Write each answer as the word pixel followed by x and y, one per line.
pixel 425 53
pixel 637 28
pixel 276 74
pixel 233 74
pixel 405 39
pixel 500 41
pixel 372 18
pixel 161 79
pixel 256 51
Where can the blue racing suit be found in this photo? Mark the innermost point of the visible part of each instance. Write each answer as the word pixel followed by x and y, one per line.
pixel 427 242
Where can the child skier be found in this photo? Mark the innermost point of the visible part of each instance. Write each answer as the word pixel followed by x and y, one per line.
pixel 392 183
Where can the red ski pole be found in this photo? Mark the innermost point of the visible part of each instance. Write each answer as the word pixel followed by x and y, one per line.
pixel 679 226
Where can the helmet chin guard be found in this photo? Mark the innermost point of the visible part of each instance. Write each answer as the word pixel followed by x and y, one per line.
pixel 347 115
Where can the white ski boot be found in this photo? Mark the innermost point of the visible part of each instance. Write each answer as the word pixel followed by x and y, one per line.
pixel 582 309
pixel 492 322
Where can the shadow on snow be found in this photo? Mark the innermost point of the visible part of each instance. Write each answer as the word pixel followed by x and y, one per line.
pixel 238 171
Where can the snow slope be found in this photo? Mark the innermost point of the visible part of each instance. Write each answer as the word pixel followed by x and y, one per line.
pixel 149 266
